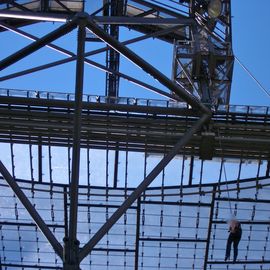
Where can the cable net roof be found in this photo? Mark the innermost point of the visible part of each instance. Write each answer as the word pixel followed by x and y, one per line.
pixel 180 222
pixel 167 228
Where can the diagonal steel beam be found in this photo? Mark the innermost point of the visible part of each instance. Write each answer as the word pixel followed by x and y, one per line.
pixel 98 66
pixel 64 29
pixel 73 57
pixel 133 80
pixel 31 37
pixel 133 57
pixel 141 188
pixel 31 210
pixel 158 33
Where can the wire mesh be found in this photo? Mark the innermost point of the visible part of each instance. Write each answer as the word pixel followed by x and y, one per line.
pixel 171 230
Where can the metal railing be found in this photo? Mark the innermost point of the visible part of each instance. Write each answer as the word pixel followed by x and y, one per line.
pixel 261 110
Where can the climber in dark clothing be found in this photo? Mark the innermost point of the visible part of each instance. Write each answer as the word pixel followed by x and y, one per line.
pixel 234 237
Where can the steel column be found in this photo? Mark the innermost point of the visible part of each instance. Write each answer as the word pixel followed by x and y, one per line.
pixel 77 135
pixel 72 244
pixel 114 8
pixel 31 210
pixel 141 188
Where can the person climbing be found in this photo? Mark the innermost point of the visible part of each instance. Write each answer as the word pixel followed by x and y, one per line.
pixel 235 231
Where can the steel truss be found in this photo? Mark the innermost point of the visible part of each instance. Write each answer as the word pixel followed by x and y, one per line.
pixel 196 132
pixel 72 255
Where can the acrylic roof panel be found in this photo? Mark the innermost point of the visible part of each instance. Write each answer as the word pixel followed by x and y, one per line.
pixel 178 222
pixel 169 228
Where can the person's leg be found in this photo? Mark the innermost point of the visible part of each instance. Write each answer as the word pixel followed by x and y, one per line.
pixel 236 241
pixel 228 248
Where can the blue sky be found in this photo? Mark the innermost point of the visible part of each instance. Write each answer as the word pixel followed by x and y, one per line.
pixel 250 43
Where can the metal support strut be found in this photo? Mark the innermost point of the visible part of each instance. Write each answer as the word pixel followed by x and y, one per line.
pixel 141 188
pixel 71 244
pixel 31 210
pixel 61 31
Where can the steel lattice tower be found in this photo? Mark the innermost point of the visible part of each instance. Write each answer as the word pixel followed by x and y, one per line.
pixel 70 197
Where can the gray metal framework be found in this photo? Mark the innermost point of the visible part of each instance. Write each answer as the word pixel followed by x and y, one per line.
pixel 203 60
pixel 193 123
pixel 50 121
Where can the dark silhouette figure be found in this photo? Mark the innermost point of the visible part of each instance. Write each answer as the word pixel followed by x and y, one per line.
pixel 234 238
